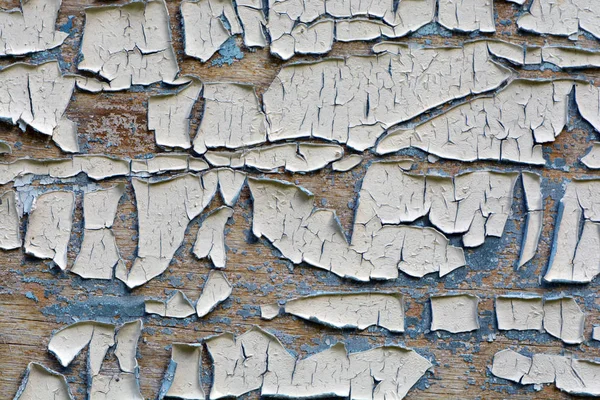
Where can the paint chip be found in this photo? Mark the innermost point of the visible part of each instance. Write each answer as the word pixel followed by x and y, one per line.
pixel 561 19
pixel 592 158
pixel 182 380
pixel 41 383
pixel 454 313
pixel 10 223
pixel 467 15
pixel 347 163
pixel 532 187
pixel 564 319
pixel 269 311
pixel 216 290
pixel 519 313
pixel 351 310
pixel 210 241
pixel 49 227
pixel 177 306
pixel 257 360
pixel 126 345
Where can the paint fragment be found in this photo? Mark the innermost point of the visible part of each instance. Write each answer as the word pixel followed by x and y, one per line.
pixel 592 158
pixel 574 257
pixel 169 116
pixel 210 241
pixel 508 126
pixel 454 313
pixel 5 148
pixel 177 306
pixel 269 311
pixel 127 45
pixel 285 215
pixel 475 204
pixel 10 223
pixel 532 187
pixel 31 28
pixel 562 19
pixel 380 91
pixel 231 183
pixel 126 345
pixel 519 313
pixel 49 227
pixel 253 21
pixel 348 310
pixel 347 163
pixel 41 383
pixel 570 375
pixel 165 208
pixel 257 360
pixel 99 254
pixel 216 290
pixel 571 57
pixel 564 319
pixel 292 157
pixel 232 118
pixel 596 333
pixel 587 97
pixel 38 96
pixel 167 162
pixel 186 362
pixel 207 25
pixel 467 15
pixel 115 387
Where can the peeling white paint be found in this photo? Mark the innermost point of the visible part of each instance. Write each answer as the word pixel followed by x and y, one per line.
pixel 216 290
pixel 519 312
pixel 210 241
pixel 10 223
pixel 41 383
pixel 455 313
pixel 564 18
pixel 532 187
pixel 177 306
pixel 187 361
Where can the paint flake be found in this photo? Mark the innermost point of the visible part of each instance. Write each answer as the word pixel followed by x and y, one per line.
pixel 509 126
pixel 592 158
pixel 210 241
pixel 285 215
pixel 519 313
pixel 128 45
pixel 571 57
pixel 207 25
pixel 99 254
pixel 574 257
pixel 359 97
pixel 454 313
pixel 232 118
pixel 10 223
pixel 186 361
pixel 257 360
pixel 5 148
pixel 169 116
pixel 269 311
pixel 532 187
pixel 126 345
pixel 231 183
pixel 177 306
pixel 41 383
pixel 216 290
pixel 38 96
pixel 475 204
pixel 49 227
pixel 467 15
pixel 253 21
pixel 564 319
pixel 563 18
pixel 570 375
pixel 346 310
pixel 165 208
pixel 347 163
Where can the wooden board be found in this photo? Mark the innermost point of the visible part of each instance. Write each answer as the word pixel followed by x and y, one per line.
pixel 36 300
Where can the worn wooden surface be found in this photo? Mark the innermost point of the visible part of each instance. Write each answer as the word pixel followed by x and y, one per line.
pixel 35 300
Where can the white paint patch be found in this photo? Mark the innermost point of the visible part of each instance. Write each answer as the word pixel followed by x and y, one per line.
pixel 454 313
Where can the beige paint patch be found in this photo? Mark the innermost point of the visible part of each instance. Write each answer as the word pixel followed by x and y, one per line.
pixel 210 241
pixel 128 45
pixel 564 319
pixel 570 375
pixel 467 15
pixel 38 96
pixel 510 126
pixel 571 57
pixel 177 306
pixel 587 97
pixel 454 313
pixel 253 21
pixel 347 163
pixel 351 310
pixel 115 387
pixel 564 19
pixel 231 183
pixel 269 311
pixel 30 29
pixel 475 204
pixel 359 97
pixel 232 118
pixel 285 215
pixel 41 383
pixel 169 116
pixel 95 167
pixel 207 25
pixel 187 362
pixel 165 208
pixel 592 158
pixel 257 360
pixel 292 157
pixel 126 345
pixel 574 257
pixel 532 187
pixel 5 148
pixel 49 227
pixel 519 313
pixel 216 290
pixel 596 333
pixel 10 223
pixel 99 254
pixel 316 38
